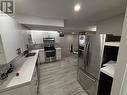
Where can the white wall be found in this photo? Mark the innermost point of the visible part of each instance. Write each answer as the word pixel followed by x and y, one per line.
pixel 2 54
pixel 111 25
pixel 13 36
pixel 120 78
pixel 65 44
pixel 23 37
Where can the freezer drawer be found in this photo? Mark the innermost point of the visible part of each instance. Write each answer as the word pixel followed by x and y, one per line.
pixel 88 83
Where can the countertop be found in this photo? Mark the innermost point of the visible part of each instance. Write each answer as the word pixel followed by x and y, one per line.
pixel 25 70
pixel 109 69
pixel 115 44
pixel 57 48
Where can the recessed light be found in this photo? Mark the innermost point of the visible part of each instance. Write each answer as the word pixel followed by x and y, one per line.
pixel 77 7
pixel 73 33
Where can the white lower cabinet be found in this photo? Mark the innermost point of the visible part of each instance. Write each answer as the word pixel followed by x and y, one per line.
pixel 58 53
pixel 34 83
pixel 30 89
pixel 42 56
pixel 25 90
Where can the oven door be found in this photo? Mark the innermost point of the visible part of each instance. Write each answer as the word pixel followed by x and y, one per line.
pixel 50 56
pixel 50 53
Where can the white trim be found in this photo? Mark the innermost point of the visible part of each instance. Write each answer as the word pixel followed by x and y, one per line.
pixel 123 90
pixel 114 44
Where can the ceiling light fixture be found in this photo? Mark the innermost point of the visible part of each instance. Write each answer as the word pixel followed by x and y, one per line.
pixel 77 7
pixel 73 33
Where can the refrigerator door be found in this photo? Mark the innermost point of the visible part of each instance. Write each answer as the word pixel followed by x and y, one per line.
pixel 94 54
pixel 81 59
pixel 81 52
pixel 86 54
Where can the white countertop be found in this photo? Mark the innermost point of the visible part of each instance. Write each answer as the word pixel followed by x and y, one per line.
pixel 57 48
pixel 109 69
pixel 25 74
pixel 115 44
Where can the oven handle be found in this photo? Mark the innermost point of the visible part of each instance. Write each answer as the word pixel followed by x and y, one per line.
pixel 50 51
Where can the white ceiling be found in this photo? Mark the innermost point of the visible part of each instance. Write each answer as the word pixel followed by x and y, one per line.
pixel 91 10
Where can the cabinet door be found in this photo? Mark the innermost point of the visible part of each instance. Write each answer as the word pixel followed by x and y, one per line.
pixel 18 91
pixel 58 53
pixel 41 56
pixel 34 83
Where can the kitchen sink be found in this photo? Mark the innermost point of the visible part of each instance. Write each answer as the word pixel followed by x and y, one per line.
pixel 30 54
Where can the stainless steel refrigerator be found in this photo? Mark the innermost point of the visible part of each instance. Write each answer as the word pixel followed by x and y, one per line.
pixel 89 61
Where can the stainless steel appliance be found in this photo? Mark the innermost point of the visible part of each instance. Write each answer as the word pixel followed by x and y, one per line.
pixel 49 48
pixel 89 61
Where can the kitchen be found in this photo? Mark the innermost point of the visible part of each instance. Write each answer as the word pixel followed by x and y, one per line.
pixel 42 56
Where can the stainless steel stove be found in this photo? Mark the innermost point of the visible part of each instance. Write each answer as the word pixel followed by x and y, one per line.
pixel 49 48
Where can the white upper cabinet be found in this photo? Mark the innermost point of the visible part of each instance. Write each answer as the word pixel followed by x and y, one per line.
pixel 37 36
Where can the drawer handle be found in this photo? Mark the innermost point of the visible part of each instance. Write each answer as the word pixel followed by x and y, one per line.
pixel 90 78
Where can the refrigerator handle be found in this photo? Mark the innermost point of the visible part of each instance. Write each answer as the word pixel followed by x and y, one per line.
pixel 90 78
pixel 87 53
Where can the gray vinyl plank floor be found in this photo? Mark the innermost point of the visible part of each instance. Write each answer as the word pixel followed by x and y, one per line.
pixel 60 78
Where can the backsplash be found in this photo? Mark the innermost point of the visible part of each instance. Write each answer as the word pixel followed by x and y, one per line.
pixel 36 46
pixel 39 46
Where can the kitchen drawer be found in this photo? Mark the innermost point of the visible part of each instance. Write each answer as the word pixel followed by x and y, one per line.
pixel 88 83
pixel 58 54
pixel 58 50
